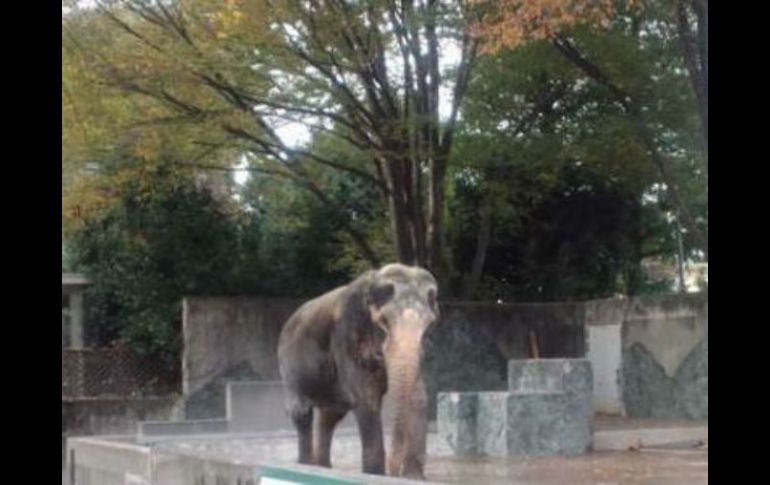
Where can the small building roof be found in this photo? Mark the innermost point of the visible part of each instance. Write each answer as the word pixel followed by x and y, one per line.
pixel 69 280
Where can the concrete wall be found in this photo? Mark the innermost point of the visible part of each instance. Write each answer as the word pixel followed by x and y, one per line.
pixel 638 349
pixel 236 339
pixel 665 358
pixel 650 355
pixel 228 339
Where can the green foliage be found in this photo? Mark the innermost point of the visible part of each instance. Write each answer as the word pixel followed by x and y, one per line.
pixel 565 170
pixel 582 238
pixel 151 249
pixel 297 239
pixel 304 238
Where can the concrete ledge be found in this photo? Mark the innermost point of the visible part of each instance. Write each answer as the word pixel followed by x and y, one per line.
pixel 259 406
pixel 256 406
pixel 166 428
pixel 106 462
pixel 624 439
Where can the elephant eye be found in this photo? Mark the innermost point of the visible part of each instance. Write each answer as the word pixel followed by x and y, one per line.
pixel 381 294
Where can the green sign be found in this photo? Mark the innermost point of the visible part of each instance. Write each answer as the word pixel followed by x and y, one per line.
pixel 282 476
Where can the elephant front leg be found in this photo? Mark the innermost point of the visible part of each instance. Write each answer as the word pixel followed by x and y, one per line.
pixel 326 420
pixel 372 443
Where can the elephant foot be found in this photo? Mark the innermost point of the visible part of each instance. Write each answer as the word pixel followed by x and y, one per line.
pixel 409 468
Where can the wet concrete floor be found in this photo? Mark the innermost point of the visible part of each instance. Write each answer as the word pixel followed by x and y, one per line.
pixel 679 466
pixel 672 467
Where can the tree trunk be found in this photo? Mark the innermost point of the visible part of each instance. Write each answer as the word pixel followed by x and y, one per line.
pixel 435 220
pixel 482 244
pixel 694 45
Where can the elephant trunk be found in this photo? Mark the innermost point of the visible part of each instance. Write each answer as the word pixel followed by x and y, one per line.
pixel 407 392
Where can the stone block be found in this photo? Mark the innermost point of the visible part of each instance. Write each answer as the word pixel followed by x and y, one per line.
pixel 457 412
pixel 256 406
pixel 491 429
pixel 545 424
pixel 547 411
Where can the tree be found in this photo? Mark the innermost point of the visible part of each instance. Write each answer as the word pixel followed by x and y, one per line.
pixel 303 245
pixel 390 168
pixel 110 138
pixel 373 74
pixel 531 113
pixel 368 73
pixel 158 244
pixel 510 23
pixel 652 26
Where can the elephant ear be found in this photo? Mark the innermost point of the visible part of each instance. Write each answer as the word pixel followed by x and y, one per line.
pixel 361 335
pixel 352 306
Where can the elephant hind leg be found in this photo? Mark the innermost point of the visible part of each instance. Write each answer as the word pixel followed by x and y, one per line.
pixel 302 417
pixel 326 420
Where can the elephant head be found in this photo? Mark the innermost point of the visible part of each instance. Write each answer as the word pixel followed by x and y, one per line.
pixel 402 305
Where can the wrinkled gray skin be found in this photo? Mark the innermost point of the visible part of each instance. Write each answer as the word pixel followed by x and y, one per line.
pixel 342 351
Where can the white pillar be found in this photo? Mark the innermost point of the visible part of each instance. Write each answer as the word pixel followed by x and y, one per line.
pixel 605 353
pixel 76 319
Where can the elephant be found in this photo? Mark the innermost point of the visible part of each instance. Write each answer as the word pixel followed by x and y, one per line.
pixel 343 350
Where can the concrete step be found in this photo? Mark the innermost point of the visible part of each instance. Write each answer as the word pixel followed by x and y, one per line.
pixel 254 406
pixel 636 436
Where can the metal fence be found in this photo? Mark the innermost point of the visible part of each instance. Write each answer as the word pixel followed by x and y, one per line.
pixel 114 372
